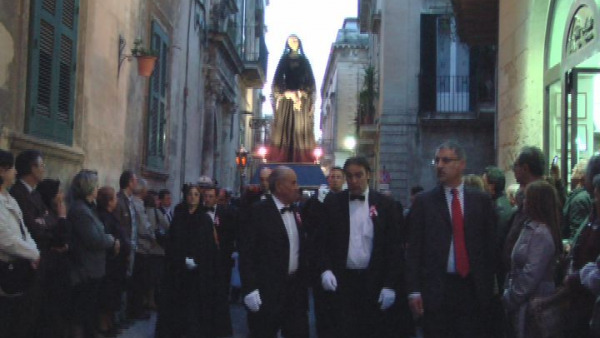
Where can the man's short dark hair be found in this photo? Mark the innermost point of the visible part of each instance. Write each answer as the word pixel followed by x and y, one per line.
pixel 337 168
pixel 454 145
pixel 359 161
pixel 162 193
pixel 496 177
pixel 125 178
pixel 416 189
pixel 534 158
pixel 25 160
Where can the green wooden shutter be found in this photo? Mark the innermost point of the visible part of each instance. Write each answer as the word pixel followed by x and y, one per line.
pixel 51 77
pixel 158 101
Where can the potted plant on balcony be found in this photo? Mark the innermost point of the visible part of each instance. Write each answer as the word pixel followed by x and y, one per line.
pixel 146 58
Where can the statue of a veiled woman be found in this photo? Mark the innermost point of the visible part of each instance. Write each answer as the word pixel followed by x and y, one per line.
pixel 292 136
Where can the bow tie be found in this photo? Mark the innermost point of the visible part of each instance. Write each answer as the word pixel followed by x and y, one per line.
pixel 286 209
pixel 357 197
pixel 211 209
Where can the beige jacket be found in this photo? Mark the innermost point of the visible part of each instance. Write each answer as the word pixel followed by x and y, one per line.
pixel 12 244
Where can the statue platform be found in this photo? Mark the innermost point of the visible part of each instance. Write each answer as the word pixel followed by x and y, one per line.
pixel 309 175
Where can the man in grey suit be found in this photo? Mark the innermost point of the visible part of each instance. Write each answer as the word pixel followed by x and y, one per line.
pixel 450 255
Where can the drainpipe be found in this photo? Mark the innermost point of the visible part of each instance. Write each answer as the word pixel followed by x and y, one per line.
pixel 185 98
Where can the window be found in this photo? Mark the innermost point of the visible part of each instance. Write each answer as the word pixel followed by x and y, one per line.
pixel 158 101
pixel 445 66
pixel 51 77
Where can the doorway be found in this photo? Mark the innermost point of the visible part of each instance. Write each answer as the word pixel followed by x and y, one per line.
pixel 581 123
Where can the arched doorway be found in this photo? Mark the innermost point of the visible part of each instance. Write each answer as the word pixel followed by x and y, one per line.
pixel 572 82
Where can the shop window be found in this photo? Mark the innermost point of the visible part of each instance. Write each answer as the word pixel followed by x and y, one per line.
pixel 51 73
pixel 157 120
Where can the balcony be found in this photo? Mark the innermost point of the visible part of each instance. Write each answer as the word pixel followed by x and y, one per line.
pixel 450 99
pixel 224 38
pixel 255 66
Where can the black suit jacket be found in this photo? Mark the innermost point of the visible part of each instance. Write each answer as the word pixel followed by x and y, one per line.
pixel 264 251
pixel 38 220
pixel 226 225
pixel 429 244
pixel 385 266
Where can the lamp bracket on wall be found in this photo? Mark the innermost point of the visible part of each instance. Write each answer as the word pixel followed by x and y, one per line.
pixel 122 55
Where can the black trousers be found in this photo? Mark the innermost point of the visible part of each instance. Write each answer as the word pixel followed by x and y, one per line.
pixel 357 312
pixel 285 310
pixel 11 309
pixel 460 316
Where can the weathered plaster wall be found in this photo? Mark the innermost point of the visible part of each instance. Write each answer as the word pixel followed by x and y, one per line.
pixel 520 78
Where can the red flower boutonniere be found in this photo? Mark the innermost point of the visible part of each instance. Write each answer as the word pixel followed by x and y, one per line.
pixel 372 211
pixel 217 222
pixel 298 218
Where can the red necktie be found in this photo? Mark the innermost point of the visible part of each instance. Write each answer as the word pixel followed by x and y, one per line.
pixel 461 258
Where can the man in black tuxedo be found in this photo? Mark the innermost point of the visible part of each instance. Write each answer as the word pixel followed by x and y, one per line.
pixel 273 263
pixel 312 214
pixel 224 233
pixel 361 259
pixel 450 254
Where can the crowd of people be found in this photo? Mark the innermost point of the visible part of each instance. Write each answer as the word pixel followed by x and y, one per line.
pixel 464 259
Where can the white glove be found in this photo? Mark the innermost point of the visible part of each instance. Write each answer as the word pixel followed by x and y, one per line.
pixel 235 255
pixel 190 264
pixel 386 298
pixel 328 281
pixel 253 301
pixel 323 191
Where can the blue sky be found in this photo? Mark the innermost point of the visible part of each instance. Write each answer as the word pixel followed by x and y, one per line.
pixel 316 23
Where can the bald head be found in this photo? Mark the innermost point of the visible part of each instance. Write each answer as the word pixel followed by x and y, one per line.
pixel 264 178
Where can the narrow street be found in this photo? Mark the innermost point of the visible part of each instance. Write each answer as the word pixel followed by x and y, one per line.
pixel 145 328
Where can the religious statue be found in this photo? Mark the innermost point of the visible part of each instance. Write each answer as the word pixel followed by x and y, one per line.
pixel 293 95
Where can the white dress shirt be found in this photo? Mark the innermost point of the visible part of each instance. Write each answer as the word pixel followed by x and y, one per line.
pixel 292 231
pixel 451 265
pixel 361 234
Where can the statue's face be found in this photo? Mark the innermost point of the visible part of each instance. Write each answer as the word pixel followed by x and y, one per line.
pixel 293 43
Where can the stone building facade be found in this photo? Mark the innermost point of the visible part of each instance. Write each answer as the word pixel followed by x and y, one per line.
pixel 70 87
pixel 342 83
pixel 548 80
pixel 431 87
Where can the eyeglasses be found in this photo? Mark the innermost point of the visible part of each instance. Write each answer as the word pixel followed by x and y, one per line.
pixel 444 160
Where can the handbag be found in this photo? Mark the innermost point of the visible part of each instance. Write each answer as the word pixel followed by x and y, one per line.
pixel 547 314
pixel 16 276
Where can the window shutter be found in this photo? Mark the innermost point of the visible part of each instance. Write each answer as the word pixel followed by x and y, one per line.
pixel 427 87
pixel 51 79
pixel 158 101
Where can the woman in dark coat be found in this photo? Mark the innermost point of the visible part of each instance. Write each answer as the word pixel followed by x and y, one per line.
pixel 186 306
pixel 292 137
pixel 57 283
pixel 113 283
